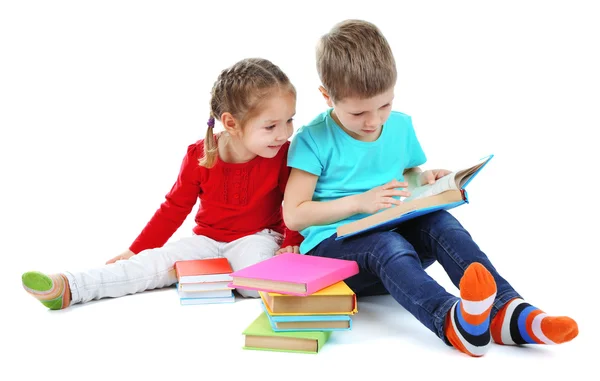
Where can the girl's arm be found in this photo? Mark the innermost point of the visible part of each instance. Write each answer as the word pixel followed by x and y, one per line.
pixel 178 204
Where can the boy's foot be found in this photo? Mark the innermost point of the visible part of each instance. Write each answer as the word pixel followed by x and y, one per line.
pixel 468 321
pixel 519 322
pixel 52 290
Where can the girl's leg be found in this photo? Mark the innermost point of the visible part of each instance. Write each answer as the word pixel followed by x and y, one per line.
pixel 147 270
pixel 252 249
pixel 441 237
pixel 388 258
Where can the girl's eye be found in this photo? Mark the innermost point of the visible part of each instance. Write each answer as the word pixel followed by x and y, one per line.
pixel 290 120
pixel 270 127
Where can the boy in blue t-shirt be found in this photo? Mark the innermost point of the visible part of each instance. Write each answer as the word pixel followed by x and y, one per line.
pixel 356 159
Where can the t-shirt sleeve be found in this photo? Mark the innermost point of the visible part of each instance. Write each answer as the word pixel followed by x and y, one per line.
pixel 415 155
pixel 304 153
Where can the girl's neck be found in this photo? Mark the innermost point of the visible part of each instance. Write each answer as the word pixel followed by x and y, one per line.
pixel 232 149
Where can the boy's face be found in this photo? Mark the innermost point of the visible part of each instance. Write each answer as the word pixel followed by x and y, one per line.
pixel 363 119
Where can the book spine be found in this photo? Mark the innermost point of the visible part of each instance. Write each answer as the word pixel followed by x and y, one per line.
pixel 342 273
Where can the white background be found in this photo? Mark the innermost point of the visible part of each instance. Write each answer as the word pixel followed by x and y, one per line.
pixel 99 100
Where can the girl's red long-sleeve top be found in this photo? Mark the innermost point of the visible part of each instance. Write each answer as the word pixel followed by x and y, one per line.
pixel 236 200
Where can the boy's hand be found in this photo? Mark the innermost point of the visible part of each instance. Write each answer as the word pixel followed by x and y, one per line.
pixel 381 197
pixel 288 249
pixel 123 256
pixel 431 175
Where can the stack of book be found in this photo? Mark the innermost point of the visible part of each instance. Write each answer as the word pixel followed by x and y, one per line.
pixel 204 281
pixel 304 299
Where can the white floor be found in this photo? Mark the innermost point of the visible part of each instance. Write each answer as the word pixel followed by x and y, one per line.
pixel 150 336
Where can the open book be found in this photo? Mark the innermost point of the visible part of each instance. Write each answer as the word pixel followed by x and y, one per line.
pixel 446 193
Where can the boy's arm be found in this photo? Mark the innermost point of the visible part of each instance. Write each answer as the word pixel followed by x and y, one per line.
pixel 300 212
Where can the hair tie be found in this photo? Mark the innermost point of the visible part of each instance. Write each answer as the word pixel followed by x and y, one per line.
pixel 211 122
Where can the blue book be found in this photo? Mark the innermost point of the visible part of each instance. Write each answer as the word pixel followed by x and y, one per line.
pixel 289 323
pixel 446 193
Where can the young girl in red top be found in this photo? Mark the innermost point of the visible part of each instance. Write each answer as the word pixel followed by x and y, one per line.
pixel 239 176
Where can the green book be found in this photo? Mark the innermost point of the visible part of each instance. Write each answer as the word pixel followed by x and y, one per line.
pixel 260 336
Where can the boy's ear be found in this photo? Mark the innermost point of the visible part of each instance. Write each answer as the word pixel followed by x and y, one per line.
pixel 326 96
pixel 230 123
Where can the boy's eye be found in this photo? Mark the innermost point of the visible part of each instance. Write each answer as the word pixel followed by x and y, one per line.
pixel 290 120
pixel 270 127
pixel 384 106
pixel 359 114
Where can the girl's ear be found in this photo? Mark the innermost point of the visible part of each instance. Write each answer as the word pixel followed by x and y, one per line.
pixel 230 124
pixel 326 96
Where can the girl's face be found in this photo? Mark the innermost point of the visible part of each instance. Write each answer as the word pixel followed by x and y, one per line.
pixel 264 134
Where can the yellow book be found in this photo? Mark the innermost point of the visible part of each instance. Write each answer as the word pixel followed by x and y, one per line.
pixel 337 299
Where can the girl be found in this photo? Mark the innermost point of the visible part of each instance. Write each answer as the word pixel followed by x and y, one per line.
pixel 239 176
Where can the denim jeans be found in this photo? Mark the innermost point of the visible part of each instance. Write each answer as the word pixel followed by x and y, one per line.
pixel 394 262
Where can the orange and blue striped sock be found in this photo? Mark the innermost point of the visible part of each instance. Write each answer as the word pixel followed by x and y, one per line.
pixel 52 290
pixel 519 323
pixel 468 321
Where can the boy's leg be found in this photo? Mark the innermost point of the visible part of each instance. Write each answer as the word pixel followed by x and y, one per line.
pixel 389 257
pixel 252 249
pixel 147 270
pixel 441 237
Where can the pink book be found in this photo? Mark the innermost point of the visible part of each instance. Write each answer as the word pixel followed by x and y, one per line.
pixel 293 274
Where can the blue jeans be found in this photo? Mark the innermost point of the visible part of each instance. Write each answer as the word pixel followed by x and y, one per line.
pixel 394 262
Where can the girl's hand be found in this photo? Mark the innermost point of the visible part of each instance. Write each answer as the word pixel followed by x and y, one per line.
pixel 431 175
pixel 288 249
pixel 382 197
pixel 121 257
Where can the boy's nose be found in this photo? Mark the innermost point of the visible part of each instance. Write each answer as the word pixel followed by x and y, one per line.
pixel 373 123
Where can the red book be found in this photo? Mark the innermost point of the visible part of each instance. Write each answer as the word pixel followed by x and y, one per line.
pixel 203 270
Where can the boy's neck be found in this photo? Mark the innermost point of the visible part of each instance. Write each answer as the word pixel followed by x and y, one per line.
pixel 350 133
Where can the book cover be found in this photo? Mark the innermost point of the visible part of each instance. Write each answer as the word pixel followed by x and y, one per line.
pixel 337 299
pixel 446 193
pixel 203 270
pixel 293 274
pixel 260 336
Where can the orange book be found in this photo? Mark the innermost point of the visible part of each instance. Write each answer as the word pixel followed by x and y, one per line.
pixel 203 270
pixel 337 299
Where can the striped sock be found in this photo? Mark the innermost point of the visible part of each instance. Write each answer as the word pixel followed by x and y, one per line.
pixel 519 323
pixel 468 321
pixel 52 290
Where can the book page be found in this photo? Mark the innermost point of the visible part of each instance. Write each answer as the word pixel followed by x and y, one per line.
pixel 441 185
pixel 455 180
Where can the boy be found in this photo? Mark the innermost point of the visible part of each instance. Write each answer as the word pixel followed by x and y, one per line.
pixel 340 161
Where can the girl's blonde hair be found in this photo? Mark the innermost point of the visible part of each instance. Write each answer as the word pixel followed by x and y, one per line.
pixel 239 90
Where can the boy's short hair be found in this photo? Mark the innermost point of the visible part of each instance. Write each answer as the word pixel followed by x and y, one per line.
pixel 355 60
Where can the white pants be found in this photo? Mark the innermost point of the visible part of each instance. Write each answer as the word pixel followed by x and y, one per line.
pixel 153 268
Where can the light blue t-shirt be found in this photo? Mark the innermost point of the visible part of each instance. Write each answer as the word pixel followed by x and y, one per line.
pixel 347 166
